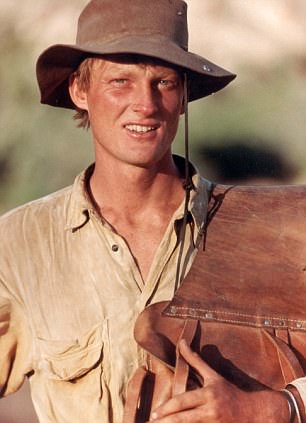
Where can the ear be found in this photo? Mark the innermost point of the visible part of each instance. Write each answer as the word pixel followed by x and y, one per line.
pixel 78 96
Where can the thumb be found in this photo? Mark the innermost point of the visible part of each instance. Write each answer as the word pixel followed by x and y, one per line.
pixel 194 360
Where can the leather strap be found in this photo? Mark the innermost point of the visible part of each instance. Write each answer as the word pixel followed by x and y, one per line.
pixel 134 391
pixel 181 372
pixel 289 364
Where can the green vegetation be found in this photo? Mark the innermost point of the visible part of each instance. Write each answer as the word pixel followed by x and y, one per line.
pixel 41 150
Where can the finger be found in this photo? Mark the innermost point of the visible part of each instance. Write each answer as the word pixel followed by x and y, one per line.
pixel 195 361
pixel 194 415
pixel 187 400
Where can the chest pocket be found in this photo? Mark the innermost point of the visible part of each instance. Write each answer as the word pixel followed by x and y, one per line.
pixel 68 360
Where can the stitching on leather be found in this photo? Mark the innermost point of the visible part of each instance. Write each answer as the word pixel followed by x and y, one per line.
pixel 274 321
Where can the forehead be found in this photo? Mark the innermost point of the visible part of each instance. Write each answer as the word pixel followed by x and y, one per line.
pixel 129 61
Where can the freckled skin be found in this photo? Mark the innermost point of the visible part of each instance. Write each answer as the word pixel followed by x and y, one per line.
pixel 123 94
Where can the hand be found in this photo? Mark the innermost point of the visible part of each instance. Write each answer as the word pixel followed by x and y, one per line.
pixel 219 401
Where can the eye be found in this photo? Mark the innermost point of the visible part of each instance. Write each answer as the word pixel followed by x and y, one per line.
pixel 164 82
pixel 168 83
pixel 119 82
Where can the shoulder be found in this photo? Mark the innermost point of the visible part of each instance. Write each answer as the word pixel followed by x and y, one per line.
pixel 37 211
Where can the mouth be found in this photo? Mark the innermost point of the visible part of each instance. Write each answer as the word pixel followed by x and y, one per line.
pixel 140 129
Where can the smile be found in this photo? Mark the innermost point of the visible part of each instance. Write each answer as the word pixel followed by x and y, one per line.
pixel 140 129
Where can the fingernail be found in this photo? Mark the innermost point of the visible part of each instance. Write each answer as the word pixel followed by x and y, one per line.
pixel 153 416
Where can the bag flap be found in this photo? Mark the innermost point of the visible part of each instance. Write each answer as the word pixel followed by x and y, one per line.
pixel 252 269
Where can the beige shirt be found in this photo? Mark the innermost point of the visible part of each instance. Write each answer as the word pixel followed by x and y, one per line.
pixel 70 292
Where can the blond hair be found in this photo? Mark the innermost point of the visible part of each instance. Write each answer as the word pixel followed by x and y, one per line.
pixel 83 80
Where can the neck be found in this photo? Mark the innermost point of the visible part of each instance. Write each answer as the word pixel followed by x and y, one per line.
pixel 131 189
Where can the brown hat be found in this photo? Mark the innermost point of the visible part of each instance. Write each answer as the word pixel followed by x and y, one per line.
pixel 157 29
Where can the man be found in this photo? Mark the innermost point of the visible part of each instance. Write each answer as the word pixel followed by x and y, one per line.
pixel 78 266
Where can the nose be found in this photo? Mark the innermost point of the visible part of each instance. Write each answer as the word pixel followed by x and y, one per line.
pixel 146 99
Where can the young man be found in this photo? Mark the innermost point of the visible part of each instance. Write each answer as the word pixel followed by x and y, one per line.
pixel 77 267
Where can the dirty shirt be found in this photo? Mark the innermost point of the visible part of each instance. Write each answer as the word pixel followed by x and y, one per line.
pixel 70 292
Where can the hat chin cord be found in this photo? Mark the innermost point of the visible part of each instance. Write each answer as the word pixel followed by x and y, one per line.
pixel 188 186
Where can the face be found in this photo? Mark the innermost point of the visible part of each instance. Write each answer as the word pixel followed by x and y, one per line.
pixel 134 110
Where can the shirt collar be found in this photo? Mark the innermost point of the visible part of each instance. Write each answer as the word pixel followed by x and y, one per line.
pixel 80 206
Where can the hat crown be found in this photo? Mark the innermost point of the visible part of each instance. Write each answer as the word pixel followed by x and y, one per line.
pixel 154 28
pixel 109 20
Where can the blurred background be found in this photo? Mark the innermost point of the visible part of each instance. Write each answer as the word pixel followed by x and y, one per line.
pixel 252 132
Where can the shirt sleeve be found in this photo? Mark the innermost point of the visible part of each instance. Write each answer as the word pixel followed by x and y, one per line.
pixel 15 346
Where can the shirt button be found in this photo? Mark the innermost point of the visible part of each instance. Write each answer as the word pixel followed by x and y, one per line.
pixel 115 248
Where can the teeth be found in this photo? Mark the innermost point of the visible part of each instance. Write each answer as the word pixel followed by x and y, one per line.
pixel 140 128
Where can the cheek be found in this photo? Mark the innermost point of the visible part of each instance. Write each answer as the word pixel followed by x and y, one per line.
pixel 173 111
pixel 108 104
pixel 173 103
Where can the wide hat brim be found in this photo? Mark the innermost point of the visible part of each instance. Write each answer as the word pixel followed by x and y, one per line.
pixel 55 65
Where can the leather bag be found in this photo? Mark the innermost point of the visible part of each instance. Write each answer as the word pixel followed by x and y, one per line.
pixel 242 306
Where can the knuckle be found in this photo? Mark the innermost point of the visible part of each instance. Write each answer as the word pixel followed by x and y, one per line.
pixel 175 418
pixel 177 402
pixel 210 393
pixel 212 401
